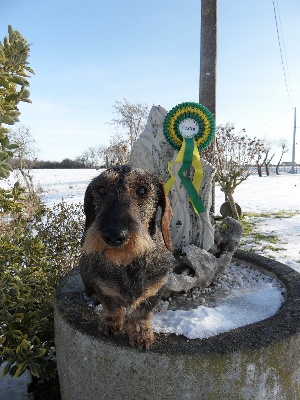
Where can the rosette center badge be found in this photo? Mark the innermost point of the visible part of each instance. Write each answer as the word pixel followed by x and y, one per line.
pixel 189 128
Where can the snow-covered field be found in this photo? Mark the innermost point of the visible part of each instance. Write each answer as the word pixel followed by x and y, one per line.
pixel 271 194
pixel 266 194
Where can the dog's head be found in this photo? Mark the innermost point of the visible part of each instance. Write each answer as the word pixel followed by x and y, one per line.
pixel 125 207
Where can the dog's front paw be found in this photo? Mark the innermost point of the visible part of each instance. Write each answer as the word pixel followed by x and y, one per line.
pixel 140 334
pixel 112 323
pixel 141 340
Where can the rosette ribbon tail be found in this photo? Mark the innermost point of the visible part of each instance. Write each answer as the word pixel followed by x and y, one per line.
pixel 189 156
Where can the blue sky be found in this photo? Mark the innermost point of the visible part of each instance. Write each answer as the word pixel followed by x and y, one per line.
pixel 87 54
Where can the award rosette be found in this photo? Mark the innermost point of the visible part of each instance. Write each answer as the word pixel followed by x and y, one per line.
pixel 189 128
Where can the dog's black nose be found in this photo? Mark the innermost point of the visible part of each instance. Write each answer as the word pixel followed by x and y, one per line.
pixel 115 237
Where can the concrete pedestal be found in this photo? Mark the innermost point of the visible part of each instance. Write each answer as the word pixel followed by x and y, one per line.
pixel 257 361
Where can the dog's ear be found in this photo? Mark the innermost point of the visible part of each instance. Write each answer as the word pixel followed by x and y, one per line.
pixel 166 216
pixel 89 208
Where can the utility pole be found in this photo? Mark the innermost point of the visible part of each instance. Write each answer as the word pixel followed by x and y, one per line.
pixel 208 66
pixel 208 55
pixel 294 144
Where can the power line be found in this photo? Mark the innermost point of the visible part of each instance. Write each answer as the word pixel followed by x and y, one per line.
pixel 269 122
pixel 280 49
pixel 284 53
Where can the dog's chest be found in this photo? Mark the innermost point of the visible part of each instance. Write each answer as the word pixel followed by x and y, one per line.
pixel 127 284
pixel 130 282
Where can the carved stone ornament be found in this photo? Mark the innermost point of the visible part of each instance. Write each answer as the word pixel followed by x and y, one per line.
pixel 193 235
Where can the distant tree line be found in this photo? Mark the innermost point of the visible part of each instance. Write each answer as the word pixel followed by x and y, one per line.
pixel 66 163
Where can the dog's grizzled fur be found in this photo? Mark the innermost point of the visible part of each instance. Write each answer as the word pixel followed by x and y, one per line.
pixel 127 249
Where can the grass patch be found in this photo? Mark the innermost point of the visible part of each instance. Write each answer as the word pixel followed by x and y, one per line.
pixel 252 237
pixel 276 214
pixel 248 226
pixel 272 248
pixel 259 237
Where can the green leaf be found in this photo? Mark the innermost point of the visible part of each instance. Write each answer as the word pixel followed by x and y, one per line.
pixel 6 315
pixel 7 353
pixel 35 369
pixel 21 368
pixel 20 45
pixel 7 120
pixel 4 141
pixel 19 81
pixel 12 146
pixel 4 173
pixel 39 352
pixel 3 132
pixel 18 316
pixel 6 166
pixel 4 82
pixel 24 347
pixel 16 334
pixel 6 368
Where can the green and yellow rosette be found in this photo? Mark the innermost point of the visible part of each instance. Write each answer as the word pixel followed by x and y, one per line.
pixel 189 128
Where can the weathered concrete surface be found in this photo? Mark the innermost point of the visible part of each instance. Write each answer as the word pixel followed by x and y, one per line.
pixel 258 361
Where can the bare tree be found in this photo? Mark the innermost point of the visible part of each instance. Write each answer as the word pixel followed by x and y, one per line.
pixel 90 157
pixel 26 153
pixel 284 146
pixel 102 156
pixel 131 118
pixel 118 152
pixel 129 123
pixel 268 146
pixel 235 153
pixel 25 156
pixel 93 157
pixel 267 163
pixel 260 157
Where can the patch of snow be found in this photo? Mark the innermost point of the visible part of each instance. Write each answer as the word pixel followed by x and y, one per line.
pixel 14 388
pixel 238 309
pixel 250 297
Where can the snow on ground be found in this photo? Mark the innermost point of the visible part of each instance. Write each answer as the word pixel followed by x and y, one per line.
pixel 266 194
pixel 14 388
pixel 55 184
pixel 272 194
pixel 287 249
pixel 262 296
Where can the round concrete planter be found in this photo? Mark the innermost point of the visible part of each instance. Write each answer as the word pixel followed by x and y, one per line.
pixel 257 361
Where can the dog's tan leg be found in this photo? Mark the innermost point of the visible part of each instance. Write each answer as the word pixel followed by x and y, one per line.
pixel 111 320
pixel 139 328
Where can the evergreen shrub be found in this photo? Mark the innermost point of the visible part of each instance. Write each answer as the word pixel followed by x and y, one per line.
pixel 35 252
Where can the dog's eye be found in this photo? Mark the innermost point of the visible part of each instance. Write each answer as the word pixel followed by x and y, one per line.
pixel 141 190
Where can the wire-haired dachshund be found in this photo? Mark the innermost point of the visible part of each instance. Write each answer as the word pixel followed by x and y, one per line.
pixel 127 247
